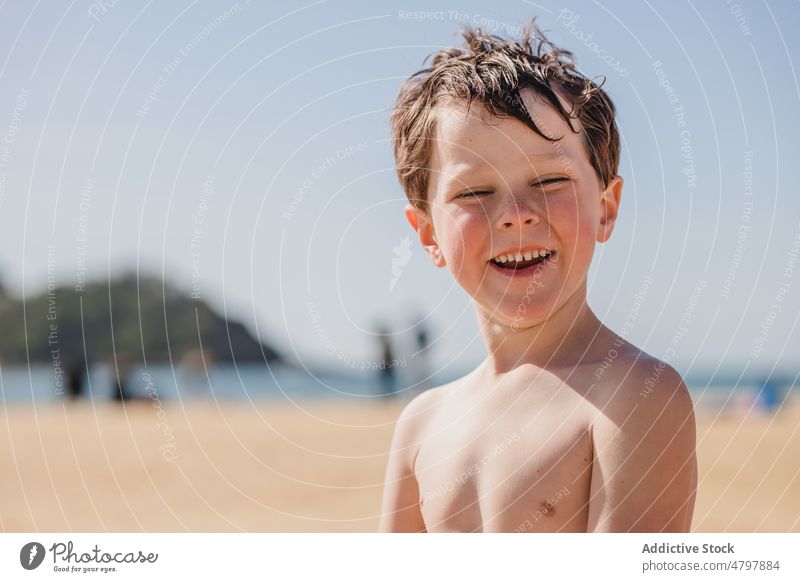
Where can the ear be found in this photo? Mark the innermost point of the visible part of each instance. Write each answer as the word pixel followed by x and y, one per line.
pixel 609 208
pixel 422 223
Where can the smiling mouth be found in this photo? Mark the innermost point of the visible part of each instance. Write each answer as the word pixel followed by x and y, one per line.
pixel 514 265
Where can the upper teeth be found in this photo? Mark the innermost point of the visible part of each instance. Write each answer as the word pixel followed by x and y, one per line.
pixel 520 256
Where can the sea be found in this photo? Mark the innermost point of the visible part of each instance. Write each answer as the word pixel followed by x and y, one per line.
pixel 41 383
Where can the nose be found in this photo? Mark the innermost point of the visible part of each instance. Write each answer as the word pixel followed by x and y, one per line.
pixel 517 213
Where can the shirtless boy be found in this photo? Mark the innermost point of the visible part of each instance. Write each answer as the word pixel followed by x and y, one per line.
pixel 509 158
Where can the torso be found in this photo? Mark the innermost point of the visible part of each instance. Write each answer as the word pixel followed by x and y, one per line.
pixel 516 457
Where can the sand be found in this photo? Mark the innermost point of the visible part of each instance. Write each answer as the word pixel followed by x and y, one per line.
pixel 314 466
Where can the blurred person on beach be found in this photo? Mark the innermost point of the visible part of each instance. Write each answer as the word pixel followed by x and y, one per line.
pixel 121 368
pixel 386 367
pixel 76 376
pixel 509 158
pixel 420 357
pixel 770 395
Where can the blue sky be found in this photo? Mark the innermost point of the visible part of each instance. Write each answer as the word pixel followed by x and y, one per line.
pixel 242 152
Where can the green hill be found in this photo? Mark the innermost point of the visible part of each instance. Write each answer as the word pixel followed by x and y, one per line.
pixel 135 316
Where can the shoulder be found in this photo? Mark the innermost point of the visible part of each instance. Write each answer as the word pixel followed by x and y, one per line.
pixel 644 394
pixel 413 420
pixel 419 409
pixel 634 378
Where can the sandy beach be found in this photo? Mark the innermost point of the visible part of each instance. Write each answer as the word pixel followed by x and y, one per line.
pixel 313 466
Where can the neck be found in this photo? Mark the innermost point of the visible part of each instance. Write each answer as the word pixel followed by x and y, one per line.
pixel 561 340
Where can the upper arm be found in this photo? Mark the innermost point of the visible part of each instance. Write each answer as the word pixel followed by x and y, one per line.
pixel 400 510
pixel 644 471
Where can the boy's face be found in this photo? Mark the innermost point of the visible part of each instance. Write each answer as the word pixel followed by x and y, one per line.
pixel 498 188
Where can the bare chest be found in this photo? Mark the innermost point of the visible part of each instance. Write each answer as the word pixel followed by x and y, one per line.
pixel 513 470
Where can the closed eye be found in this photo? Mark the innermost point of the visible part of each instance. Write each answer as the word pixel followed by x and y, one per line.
pixel 550 181
pixel 541 183
pixel 474 194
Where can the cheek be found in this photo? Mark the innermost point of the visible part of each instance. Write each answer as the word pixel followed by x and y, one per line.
pixel 462 235
pixel 561 213
pixel 577 230
pixel 573 217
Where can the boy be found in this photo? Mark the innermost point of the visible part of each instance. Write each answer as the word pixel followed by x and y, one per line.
pixel 509 159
